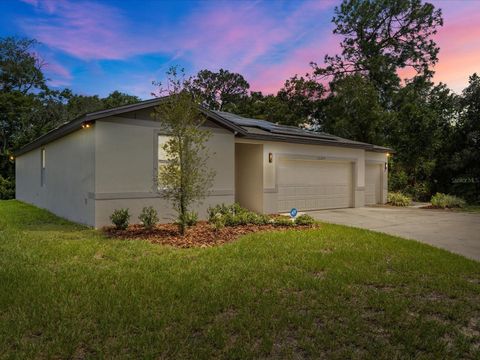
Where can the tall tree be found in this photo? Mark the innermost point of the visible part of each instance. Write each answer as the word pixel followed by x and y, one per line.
pixel 21 79
pixel 219 90
pixel 465 163
pixel 186 177
pixel 381 37
pixel 303 98
pixel 352 110
pixel 417 132
pixel 20 68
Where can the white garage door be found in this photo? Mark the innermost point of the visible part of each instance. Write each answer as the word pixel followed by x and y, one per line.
pixel 373 184
pixel 314 184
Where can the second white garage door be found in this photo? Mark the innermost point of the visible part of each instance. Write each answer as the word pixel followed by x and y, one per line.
pixel 314 184
pixel 373 184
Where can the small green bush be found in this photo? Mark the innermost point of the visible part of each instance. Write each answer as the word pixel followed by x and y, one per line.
pixel 148 217
pixel 398 199
pixel 283 221
pixel 218 222
pixel 443 201
pixel 7 188
pixel 216 210
pixel 260 219
pixel 235 215
pixel 190 218
pixel 120 218
pixel 305 220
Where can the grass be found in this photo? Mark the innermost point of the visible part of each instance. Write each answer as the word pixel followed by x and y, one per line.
pixel 469 208
pixel 336 292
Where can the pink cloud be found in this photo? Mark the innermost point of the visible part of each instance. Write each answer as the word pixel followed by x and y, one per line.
pixel 86 30
pixel 57 74
pixel 459 42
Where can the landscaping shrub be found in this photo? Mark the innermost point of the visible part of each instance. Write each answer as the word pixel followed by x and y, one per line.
pixel 304 219
pixel 443 201
pixel 218 222
pixel 259 219
pixel 235 215
pixel 148 217
pixel 190 218
pixel 7 188
pixel 398 199
pixel 283 221
pixel 120 218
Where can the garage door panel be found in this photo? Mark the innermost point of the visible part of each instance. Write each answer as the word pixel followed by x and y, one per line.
pixel 310 185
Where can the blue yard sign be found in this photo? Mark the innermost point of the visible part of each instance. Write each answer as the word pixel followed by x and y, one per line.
pixel 293 212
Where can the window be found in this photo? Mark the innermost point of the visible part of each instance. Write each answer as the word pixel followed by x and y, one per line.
pixel 161 155
pixel 42 166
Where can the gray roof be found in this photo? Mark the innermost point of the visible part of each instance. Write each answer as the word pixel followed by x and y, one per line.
pixel 240 126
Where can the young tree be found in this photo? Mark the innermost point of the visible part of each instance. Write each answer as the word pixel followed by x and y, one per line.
pixel 186 177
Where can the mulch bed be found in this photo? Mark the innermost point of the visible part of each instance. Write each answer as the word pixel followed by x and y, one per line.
pixel 200 235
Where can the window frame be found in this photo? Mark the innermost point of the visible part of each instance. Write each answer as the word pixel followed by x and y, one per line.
pixel 157 160
pixel 43 166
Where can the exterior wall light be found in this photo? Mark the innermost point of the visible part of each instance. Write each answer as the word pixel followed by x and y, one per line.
pixel 86 125
pixel 270 157
pixel 12 157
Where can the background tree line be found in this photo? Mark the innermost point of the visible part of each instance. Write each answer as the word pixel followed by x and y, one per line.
pixel 357 94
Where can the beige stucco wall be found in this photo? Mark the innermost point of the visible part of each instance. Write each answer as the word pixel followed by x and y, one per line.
pixel 126 162
pixel 249 176
pixel 69 177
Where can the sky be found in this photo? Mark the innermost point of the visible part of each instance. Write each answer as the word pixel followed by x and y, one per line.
pixel 96 47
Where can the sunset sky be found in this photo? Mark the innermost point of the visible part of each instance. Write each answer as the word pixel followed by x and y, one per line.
pixel 95 47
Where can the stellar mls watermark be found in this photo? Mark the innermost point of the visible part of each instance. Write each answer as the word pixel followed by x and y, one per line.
pixel 466 180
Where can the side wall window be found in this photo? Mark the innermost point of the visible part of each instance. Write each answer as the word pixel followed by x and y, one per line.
pixel 43 164
pixel 161 155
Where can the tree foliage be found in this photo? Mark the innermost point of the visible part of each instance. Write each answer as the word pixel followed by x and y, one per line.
pixel 186 177
pixel 381 37
pixel 352 110
pixel 218 90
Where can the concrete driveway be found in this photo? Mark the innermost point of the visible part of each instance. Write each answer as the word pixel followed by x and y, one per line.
pixel 454 231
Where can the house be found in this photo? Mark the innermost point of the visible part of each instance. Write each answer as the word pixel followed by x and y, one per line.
pixel 106 160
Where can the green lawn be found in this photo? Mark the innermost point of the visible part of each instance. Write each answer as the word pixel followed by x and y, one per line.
pixel 336 292
pixel 471 208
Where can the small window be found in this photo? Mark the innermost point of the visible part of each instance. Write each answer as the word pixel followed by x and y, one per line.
pixel 43 164
pixel 161 154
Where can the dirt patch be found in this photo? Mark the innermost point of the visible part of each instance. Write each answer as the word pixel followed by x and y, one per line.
pixel 472 329
pixel 319 274
pixel 200 235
